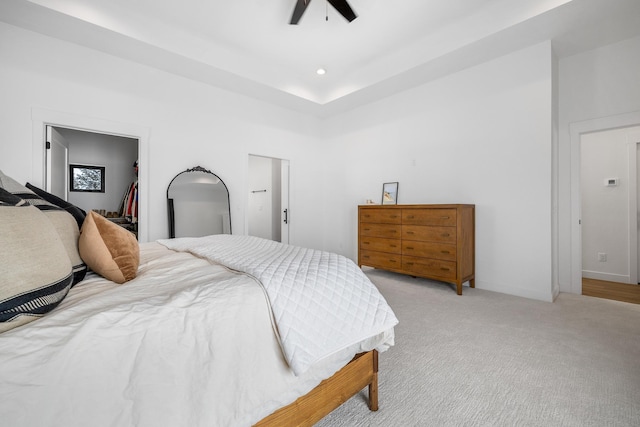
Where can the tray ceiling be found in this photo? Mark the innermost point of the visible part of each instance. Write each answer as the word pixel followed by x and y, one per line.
pixel 249 47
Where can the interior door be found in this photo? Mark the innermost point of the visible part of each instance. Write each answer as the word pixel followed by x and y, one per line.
pixel 284 201
pixel 57 162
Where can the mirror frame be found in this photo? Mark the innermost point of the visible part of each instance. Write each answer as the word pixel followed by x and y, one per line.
pixel 172 224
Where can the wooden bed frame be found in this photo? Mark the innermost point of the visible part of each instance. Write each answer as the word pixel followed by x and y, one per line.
pixel 362 371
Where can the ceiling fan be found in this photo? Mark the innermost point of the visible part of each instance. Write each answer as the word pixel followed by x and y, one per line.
pixel 340 5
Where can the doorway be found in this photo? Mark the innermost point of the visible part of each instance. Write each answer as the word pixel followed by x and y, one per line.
pixel 41 118
pixel 608 164
pixel 69 149
pixel 268 213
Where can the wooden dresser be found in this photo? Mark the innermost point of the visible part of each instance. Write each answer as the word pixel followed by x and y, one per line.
pixel 432 241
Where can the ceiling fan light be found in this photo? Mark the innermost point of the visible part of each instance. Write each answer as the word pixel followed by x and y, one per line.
pixel 321 71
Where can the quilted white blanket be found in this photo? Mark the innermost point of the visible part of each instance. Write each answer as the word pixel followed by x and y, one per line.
pixel 321 301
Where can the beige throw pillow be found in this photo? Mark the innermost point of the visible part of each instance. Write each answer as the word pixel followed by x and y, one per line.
pixel 108 249
pixel 63 221
pixel 35 271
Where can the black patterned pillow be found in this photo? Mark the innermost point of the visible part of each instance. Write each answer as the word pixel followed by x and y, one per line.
pixel 76 212
pixel 35 273
pixel 62 220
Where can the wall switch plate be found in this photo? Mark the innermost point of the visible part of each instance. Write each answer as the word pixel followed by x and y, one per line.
pixel 602 257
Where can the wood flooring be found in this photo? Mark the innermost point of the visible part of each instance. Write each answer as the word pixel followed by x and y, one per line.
pixel 611 290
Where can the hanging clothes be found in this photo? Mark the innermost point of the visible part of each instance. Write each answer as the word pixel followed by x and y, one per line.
pixel 129 205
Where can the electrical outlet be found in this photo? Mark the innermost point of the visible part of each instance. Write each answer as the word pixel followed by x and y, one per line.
pixel 602 257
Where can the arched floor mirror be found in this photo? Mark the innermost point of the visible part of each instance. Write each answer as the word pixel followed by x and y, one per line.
pixel 198 202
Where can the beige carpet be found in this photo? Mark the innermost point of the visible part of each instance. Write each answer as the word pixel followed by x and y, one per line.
pixel 489 359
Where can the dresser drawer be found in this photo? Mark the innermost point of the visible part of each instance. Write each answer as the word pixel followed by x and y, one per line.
pixel 380 244
pixel 429 216
pixel 443 251
pixel 380 259
pixel 381 230
pixel 382 216
pixel 429 233
pixel 429 267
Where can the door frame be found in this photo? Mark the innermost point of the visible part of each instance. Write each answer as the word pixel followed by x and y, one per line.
pixel 284 175
pixel 576 130
pixel 41 118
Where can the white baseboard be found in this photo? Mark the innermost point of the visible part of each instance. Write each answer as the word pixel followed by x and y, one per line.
pixel 542 295
pixel 609 277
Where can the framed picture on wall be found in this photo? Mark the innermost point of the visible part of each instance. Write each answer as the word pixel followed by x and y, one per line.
pixel 86 178
pixel 390 193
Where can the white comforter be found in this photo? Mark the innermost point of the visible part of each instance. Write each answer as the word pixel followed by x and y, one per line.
pixel 321 301
pixel 186 343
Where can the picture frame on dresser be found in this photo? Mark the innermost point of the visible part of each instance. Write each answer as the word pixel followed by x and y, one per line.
pixel 390 193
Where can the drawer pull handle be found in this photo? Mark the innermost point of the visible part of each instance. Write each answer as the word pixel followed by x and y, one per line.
pixel 444 269
pixel 445 217
pixel 410 216
pixel 365 243
pixel 393 246
pixel 392 260
pixel 410 248
pixel 409 263
pixel 445 252
pixel 393 231
pixel 365 256
pixel 367 229
pixel 367 216
pixel 410 232
pixel 445 235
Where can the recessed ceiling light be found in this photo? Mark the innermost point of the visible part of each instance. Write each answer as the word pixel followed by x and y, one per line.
pixel 321 71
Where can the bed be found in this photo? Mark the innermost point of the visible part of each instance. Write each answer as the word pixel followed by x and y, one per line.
pixel 196 335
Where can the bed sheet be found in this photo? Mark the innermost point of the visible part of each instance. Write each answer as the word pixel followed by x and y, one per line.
pixel 187 342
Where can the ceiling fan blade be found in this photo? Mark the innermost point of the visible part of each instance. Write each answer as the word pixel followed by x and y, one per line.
pixel 345 10
pixel 301 6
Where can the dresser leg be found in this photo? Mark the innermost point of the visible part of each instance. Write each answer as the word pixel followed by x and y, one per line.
pixel 459 288
pixel 472 283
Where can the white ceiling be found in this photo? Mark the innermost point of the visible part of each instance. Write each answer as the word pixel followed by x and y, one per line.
pixel 247 46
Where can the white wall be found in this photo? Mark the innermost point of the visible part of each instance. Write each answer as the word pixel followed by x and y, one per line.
pixel 598 86
pixel 605 214
pixel 189 124
pixel 480 136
